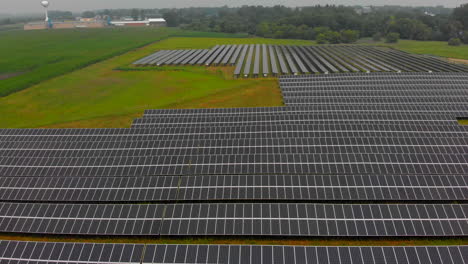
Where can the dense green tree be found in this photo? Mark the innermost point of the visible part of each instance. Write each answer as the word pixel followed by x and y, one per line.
pixel 377 37
pixel 465 37
pixel 88 14
pixel 392 37
pixel 320 30
pixel 333 37
pixel 6 21
pixel 172 18
pixel 421 31
pixel 461 14
pixel 455 42
pixel 309 22
pixel 62 15
pixel 321 38
pixel 135 14
pixel 349 36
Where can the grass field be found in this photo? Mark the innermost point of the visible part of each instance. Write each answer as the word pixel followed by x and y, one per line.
pixel 100 96
pixel 435 48
pixel 30 57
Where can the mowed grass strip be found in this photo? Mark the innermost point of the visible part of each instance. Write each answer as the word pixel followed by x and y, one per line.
pixel 239 241
pixel 101 96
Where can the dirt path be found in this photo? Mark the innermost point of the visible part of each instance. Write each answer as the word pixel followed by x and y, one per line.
pixel 458 60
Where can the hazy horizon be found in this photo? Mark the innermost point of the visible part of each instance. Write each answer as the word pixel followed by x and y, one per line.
pixel 33 6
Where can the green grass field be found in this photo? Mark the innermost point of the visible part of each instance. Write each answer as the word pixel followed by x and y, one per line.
pixel 435 48
pixel 100 96
pixel 30 57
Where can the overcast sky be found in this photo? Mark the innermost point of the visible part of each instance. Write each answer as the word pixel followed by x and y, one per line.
pixel 32 6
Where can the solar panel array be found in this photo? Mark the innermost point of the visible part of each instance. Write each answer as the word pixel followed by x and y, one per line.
pixel 284 59
pixel 236 219
pixel 350 155
pixel 41 252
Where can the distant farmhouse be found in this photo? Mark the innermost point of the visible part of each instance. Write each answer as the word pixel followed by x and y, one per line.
pixel 97 22
pixel 154 22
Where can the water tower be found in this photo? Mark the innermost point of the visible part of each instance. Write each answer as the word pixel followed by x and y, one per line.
pixel 45 4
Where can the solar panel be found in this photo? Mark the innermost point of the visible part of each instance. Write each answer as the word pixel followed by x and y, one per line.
pixel 154 55
pixel 178 57
pixel 170 57
pixel 304 109
pixel 207 56
pixel 256 67
pixel 240 62
pixel 273 171
pixel 355 60
pixel 185 57
pixel 222 54
pixel 298 61
pixel 248 61
pixel 236 187
pixel 317 59
pixel 21 251
pixel 265 69
pixel 214 55
pixel 322 60
pixel 342 64
pixel 333 60
pixel 305 57
pixel 238 219
pixel 43 252
pixel 281 60
pixel 273 60
pixel 191 57
pixel 156 60
pixel 198 57
pixel 289 60
pixel 234 57
pixel 229 54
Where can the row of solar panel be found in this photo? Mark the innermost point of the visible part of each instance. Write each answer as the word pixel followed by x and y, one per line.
pixel 372 89
pixel 256 60
pixel 236 219
pixel 181 166
pixel 451 77
pixel 41 252
pixel 225 149
pixel 225 187
pixel 318 135
pixel 290 119
pixel 284 110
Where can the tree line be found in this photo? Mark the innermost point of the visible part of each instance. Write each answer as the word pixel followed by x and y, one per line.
pixel 333 24
pixel 325 24
pixel 328 23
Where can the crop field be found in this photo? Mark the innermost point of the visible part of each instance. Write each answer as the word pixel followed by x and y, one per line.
pixel 29 57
